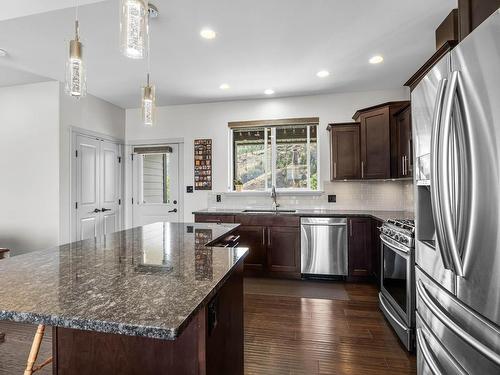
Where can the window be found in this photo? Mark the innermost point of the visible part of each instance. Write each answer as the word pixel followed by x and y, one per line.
pixel 155 178
pixel 285 156
pixel 155 168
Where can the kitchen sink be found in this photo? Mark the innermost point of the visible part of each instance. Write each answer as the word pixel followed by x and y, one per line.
pixel 270 211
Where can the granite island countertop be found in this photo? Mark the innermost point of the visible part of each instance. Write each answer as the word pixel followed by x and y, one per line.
pixel 376 214
pixel 148 281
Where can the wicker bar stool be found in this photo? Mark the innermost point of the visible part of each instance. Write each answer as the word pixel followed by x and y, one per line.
pixel 4 253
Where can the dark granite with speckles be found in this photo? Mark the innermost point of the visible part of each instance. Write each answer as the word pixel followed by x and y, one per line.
pixel 147 281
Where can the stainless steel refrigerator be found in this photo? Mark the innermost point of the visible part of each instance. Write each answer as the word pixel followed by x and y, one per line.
pixel 456 124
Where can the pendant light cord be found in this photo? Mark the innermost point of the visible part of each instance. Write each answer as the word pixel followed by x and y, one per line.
pixel 149 47
pixel 77 26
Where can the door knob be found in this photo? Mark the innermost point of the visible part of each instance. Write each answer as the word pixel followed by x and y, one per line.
pixel 105 209
pixel 174 210
pixel 97 210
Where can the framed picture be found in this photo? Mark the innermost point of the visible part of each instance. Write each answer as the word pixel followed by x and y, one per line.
pixel 203 164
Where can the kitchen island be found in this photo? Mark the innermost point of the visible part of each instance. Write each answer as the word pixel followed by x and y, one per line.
pixel 149 300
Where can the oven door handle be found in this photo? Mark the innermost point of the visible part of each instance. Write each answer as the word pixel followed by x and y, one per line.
pixel 394 245
pixel 393 317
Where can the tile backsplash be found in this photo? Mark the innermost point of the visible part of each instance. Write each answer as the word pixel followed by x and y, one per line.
pixel 351 195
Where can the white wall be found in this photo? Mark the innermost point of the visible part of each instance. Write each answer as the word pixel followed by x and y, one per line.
pixel 89 113
pixel 29 167
pixel 210 121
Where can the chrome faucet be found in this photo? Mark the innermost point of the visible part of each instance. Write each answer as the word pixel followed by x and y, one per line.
pixel 274 197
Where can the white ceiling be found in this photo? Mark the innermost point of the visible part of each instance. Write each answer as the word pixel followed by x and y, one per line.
pixel 260 44
pixel 21 8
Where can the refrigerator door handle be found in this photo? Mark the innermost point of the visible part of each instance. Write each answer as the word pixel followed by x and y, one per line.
pixel 426 353
pixel 435 181
pixel 465 336
pixel 445 177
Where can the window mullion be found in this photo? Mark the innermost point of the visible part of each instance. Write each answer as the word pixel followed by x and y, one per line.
pixel 273 156
pixel 308 157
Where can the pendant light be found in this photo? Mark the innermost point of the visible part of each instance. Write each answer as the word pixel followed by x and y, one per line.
pixel 148 103
pixel 133 28
pixel 148 91
pixel 76 80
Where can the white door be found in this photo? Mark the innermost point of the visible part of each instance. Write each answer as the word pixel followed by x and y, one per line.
pixel 110 187
pixel 155 184
pixel 98 187
pixel 87 187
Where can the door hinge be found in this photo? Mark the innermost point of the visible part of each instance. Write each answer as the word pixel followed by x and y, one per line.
pixel 132 200
pixel 119 159
pixel 119 201
pixel 76 153
pixel 132 156
pixel 76 205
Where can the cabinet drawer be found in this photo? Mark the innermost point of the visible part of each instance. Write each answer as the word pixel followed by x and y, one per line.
pixel 268 220
pixel 214 218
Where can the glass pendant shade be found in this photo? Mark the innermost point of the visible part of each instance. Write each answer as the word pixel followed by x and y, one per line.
pixel 148 104
pixel 134 28
pixel 76 82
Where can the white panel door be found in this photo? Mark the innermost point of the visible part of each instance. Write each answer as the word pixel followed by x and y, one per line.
pixel 87 186
pixel 109 187
pixel 156 187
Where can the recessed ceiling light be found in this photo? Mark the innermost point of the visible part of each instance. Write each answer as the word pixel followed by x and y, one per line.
pixel 377 59
pixel 269 91
pixel 3 52
pixel 224 86
pixel 323 73
pixel 208 34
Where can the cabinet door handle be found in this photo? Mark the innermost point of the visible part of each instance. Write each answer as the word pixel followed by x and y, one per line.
pixel 350 227
pixel 362 169
pixel 403 165
pixel 334 169
pixel 268 237
pixel 263 237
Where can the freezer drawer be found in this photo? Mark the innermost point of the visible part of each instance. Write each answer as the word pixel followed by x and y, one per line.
pixel 324 246
pixel 471 340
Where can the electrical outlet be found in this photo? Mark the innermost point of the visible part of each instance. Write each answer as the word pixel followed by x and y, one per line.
pixel 189 189
pixel 332 198
pixel 218 198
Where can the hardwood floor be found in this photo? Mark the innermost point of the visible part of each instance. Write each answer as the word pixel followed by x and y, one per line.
pixel 286 334
pixel 293 335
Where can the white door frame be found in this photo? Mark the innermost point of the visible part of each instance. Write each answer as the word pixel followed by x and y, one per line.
pixel 129 183
pixel 74 133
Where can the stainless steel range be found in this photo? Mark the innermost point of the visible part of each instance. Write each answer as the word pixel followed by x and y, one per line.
pixel 397 279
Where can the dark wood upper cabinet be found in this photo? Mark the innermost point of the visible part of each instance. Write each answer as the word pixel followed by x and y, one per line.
pixel 378 140
pixel 283 250
pixel 345 151
pixel 471 13
pixel 360 249
pixel 405 143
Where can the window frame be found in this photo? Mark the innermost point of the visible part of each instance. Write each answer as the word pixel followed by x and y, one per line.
pixel 272 127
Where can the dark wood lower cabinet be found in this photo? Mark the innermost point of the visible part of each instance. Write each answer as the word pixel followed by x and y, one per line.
pixel 360 249
pixel 274 245
pixel 283 248
pixel 211 344
pixel 273 242
pixel 254 237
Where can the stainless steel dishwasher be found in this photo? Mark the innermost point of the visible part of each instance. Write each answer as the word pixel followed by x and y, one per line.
pixel 323 243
